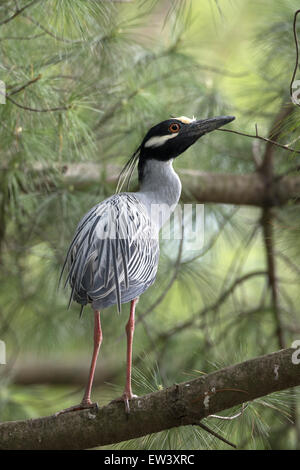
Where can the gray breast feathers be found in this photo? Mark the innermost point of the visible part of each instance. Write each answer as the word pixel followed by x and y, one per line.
pixel 114 255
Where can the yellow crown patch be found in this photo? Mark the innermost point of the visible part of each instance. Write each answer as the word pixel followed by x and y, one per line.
pixel 185 119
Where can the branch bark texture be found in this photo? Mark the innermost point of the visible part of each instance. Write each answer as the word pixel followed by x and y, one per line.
pixel 240 189
pixel 179 405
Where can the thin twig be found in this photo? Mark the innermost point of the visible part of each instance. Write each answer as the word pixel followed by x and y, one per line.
pixel 265 139
pixel 225 294
pixel 297 56
pixel 53 35
pixel 267 170
pixel 289 262
pixel 230 418
pixel 214 238
pixel 18 12
pixel 34 80
pixel 215 434
pixel 38 110
pixel 21 38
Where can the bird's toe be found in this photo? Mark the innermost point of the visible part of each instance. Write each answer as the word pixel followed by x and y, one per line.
pixel 125 397
pixel 80 406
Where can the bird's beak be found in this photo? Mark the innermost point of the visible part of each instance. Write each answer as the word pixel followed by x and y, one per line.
pixel 201 127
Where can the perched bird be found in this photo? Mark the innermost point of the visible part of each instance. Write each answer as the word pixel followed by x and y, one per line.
pixel 114 255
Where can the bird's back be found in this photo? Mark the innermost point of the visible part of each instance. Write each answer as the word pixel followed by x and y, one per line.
pixel 113 256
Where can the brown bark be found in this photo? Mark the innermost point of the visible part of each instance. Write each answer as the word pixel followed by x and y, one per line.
pixel 244 189
pixel 241 189
pixel 179 405
pixel 267 172
pixel 31 372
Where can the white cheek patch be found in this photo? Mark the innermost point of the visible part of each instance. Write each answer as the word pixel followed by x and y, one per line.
pixel 159 140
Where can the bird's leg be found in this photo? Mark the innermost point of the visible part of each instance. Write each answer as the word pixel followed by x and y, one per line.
pixel 97 343
pixel 127 394
pixel 86 401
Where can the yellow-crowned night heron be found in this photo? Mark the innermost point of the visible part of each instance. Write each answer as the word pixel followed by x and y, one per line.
pixel 113 257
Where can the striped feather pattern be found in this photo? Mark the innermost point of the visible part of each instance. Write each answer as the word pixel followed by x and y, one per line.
pixel 113 256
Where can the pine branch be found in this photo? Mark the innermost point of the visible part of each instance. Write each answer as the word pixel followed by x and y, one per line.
pixel 264 139
pixel 267 224
pixel 215 434
pixel 50 33
pixel 38 110
pixel 21 88
pixel 179 405
pixel 28 108
pixel 28 372
pixel 267 172
pixel 211 308
pixel 239 189
pixel 21 38
pixel 18 12
pixel 297 55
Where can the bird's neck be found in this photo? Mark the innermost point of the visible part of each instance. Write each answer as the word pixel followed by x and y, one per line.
pixel 159 184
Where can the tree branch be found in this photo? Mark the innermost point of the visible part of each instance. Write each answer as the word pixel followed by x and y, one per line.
pixel 242 189
pixel 179 405
pixel 267 171
pixel 32 371
pixel 268 235
pixel 18 12
pixel 38 110
pixel 297 55
pixel 264 139
pixel 21 88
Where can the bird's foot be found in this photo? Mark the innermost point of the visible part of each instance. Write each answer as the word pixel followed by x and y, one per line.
pixel 125 397
pixel 84 405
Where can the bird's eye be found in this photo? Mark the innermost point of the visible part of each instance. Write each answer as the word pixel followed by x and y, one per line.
pixel 174 127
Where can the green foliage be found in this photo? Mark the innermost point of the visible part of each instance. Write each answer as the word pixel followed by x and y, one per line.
pixel 85 81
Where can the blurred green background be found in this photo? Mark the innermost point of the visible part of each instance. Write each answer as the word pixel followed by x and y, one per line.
pixel 86 80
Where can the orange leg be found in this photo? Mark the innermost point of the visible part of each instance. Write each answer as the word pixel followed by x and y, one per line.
pixel 97 343
pixel 127 394
pixel 86 401
pixel 129 332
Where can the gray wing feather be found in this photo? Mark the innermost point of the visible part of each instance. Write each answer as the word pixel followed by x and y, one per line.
pixel 113 256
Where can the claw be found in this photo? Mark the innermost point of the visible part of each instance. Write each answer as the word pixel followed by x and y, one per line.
pixel 126 397
pixel 81 406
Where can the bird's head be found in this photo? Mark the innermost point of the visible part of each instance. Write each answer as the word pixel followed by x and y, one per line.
pixel 168 139
pixel 172 137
